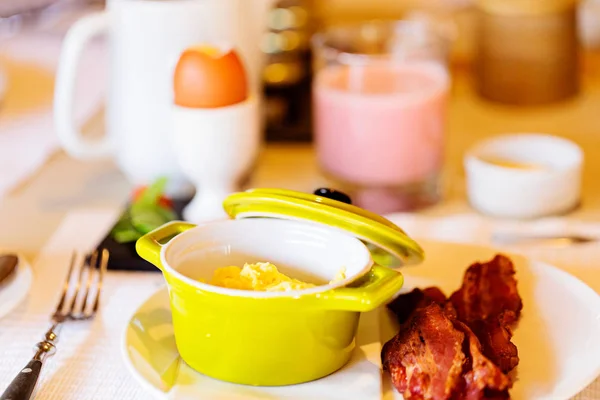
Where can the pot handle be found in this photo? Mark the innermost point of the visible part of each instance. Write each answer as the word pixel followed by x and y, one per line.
pixel 367 293
pixel 149 245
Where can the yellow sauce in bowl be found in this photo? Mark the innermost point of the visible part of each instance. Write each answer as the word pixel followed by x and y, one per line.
pixel 262 276
pixel 499 162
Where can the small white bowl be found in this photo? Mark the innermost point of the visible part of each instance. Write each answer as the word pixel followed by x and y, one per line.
pixel 524 175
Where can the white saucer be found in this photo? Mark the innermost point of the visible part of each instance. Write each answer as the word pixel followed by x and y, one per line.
pixel 16 288
pixel 558 338
pixel 151 356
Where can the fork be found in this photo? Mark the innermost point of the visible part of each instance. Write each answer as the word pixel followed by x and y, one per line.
pixel 78 302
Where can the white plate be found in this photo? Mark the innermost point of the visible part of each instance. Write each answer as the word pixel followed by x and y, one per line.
pixel 16 288
pixel 558 335
pixel 558 338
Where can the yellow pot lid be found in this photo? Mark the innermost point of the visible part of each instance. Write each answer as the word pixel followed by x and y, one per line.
pixel 392 245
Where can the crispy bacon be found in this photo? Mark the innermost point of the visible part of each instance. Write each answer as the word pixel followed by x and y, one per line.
pixel 405 304
pixel 488 290
pixel 437 357
pixel 489 303
pixel 425 359
pixel 495 337
pixel 483 378
pixel 471 329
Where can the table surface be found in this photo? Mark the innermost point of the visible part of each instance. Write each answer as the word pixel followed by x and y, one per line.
pixel 34 209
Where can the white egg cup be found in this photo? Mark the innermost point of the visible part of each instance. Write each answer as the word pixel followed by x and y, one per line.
pixel 216 148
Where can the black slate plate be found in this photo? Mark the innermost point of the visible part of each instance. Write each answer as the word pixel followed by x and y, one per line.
pixel 123 256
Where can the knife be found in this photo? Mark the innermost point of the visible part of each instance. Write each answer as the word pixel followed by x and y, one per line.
pixel 8 266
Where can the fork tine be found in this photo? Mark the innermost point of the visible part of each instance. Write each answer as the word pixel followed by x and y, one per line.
pixel 93 260
pixel 103 265
pixel 63 297
pixel 84 265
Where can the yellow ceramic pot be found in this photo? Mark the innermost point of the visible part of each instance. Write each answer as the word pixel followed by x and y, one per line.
pixel 267 338
pixel 276 338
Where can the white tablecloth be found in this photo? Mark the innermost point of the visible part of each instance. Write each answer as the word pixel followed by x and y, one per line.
pixel 88 364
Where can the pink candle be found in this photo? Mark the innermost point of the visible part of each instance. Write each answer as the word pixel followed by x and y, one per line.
pixel 381 124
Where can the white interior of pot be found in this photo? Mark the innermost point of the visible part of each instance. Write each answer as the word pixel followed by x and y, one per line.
pixel 300 250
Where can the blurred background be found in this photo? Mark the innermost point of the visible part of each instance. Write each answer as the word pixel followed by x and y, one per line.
pixel 291 24
pixel 511 67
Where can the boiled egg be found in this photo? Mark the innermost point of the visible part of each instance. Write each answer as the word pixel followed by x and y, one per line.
pixel 209 77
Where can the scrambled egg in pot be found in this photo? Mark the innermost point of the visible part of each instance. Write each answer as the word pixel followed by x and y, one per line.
pixel 262 277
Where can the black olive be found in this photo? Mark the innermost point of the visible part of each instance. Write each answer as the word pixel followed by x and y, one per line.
pixel 333 195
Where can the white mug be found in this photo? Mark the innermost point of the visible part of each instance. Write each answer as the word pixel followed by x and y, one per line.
pixel 146 38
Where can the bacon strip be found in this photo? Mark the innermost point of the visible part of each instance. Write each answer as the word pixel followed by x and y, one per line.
pixel 457 348
pixel 425 359
pixel 437 357
pixel 489 303
pixel 488 291
pixel 405 304
pixel 483 379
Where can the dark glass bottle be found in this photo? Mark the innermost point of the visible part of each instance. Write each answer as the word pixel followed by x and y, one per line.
pixel 287 74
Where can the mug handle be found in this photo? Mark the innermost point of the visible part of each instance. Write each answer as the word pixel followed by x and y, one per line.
pixel 74 43
pixel 150 245
pixel 370 291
